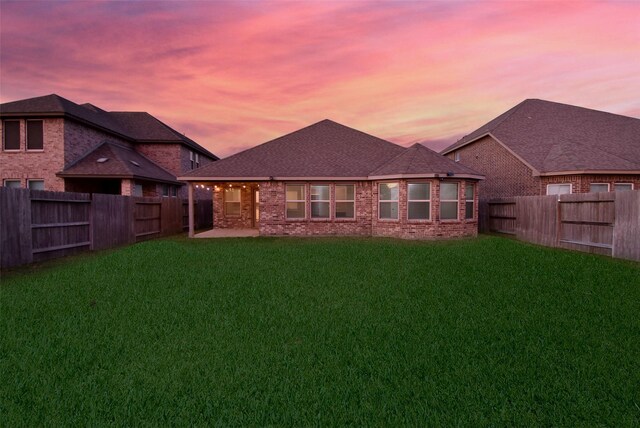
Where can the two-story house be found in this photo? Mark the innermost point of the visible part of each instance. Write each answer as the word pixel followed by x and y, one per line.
pixel 51 143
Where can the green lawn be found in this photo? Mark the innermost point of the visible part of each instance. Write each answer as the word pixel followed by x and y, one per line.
pixel 322 331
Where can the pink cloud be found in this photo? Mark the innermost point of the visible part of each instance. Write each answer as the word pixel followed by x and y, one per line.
pixel 235 74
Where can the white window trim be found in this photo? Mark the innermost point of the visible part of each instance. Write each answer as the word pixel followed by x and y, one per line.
pixel 630 184
pixel 559 184
pixel 226 202
pixel 303 200
pixel 473 202
pixel 26 138
pixel 608 186
pixel 14 180
pixel 35 179
pixel 4 136
pixel 456 156
pixel 197 161
pixel 419 200
pixel 312 201
pixel 353 201
pixel 457 201
pixel 397 201
pixel 191 159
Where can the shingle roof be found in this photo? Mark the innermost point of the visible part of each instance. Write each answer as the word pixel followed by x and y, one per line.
pixel 418 159
pixel 135 126
pixel 121 162
pixel 325 150
pixel 554 137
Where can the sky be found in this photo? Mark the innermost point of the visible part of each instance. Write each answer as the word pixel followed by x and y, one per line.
pixel 231 75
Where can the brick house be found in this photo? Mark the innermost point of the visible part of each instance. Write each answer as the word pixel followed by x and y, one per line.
pixel 328 179
pixel 540 147
pixel 52 143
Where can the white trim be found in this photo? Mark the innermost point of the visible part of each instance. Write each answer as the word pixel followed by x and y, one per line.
pixel 303 200
pixel 560 184
pixel 624 183
pixel 590 171
pixel 335 201
pixel 397 201
pixel 596 183
pixel 457 200
pixel 12 180
pixel 35 179
pixel 225 202
pixel 456 156
pixel 409 201
pixel 324 201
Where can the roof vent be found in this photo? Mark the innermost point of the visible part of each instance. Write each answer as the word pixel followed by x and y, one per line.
pixel 102 160
pixel 135 163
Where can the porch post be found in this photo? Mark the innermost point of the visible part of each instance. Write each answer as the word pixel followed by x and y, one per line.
pixel 191 227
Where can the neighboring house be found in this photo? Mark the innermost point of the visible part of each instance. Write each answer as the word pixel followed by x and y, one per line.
pixel 540 147
pixel 52 143
pixel 328 179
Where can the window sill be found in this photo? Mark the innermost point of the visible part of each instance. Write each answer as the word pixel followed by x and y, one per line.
pixel 11 150
pixel 389 220
pixel 417 221
pixel 35 150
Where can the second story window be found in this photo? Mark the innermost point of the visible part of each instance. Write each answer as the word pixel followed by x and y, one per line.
pixel 11 135
pixel 197 161
pixel 35 139
pixel 191 160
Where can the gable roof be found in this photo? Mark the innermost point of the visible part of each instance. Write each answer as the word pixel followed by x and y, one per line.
pixel 140 127
pixel 121 162
pixel 552 137
pixel 324 150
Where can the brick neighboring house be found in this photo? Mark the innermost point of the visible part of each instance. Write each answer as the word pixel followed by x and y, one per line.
pixel 540 147
pixel 52 143
pixel 328 179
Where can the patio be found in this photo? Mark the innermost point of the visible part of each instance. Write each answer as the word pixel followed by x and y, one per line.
pixel 228 233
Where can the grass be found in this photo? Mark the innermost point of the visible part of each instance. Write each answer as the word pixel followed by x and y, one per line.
pixel 322 332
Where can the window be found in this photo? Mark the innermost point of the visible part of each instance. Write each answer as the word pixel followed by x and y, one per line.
pixel 456 156
pixel 197 161
pixel 11 134
pixel 419 201
pixel 619 187
pixel 388 201
pixel 468 200
pixel 34 135
pixel 35 184
pixel 448 201
pixel 12 184
pixel 165 190
pixel 345 201
pixel 232 202
pixel 191 159
pixel 558 189
pixel 598 187
pixel 320 201
pixel 174 191
pixel 296 198
pixel 137 189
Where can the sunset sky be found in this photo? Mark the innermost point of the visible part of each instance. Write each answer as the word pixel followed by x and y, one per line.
pixel 231 75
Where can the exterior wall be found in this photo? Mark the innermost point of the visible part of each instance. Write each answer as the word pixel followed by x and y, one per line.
pixel 79 139
pixel 273 221
pixel 582 183
pixel 38 165
pixel 126 187
pixel 426 229
pixel 505 175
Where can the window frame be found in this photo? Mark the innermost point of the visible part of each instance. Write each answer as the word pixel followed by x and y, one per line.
pixel 197 160
pixel 396 201
pixel 30 180
pixel 191 159
pixel 560 184
pixel 324 201
pixel 429 201
pixel 303 200
pixel 12 180
pixel 456 156
pixel 336 201
pixel 4 135
pixel 26 130
pixel 599 184
pixel 457 201
pixel 471 186
pixel 625 184
pixel 227 202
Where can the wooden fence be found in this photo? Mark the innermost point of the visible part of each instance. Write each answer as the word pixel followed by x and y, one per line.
pixel 38 225
pixel 602 223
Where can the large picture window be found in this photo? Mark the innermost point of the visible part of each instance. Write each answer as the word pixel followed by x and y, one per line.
pixel 320 201
pixel 448 201
pixel 419 201
pixel 558 189
pixel 598 187
pixel 388 201
pixel 619 187
pixel 232 202
pixel 345 201
pixel 468 201
pixel 296 198
pixel 34 135
pixel 11 135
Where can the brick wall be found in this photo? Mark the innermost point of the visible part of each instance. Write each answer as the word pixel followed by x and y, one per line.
pixel 37 165
pixel 80 139
pixel 582 183
pixel 505 175
pixel 273 220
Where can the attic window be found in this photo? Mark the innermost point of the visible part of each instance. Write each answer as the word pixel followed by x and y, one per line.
pixel 102 160
pixel 134 162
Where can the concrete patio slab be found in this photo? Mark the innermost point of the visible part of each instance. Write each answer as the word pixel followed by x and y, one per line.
pixel 228 233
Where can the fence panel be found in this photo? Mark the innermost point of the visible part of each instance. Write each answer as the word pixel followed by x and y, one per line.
pixel 626 234
pixel 171 213
pixel 15 227
pixel 147 214
pixel 537 220
pixel 60 224
pixel 502 215
pixel 113 223
pixel 587 222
